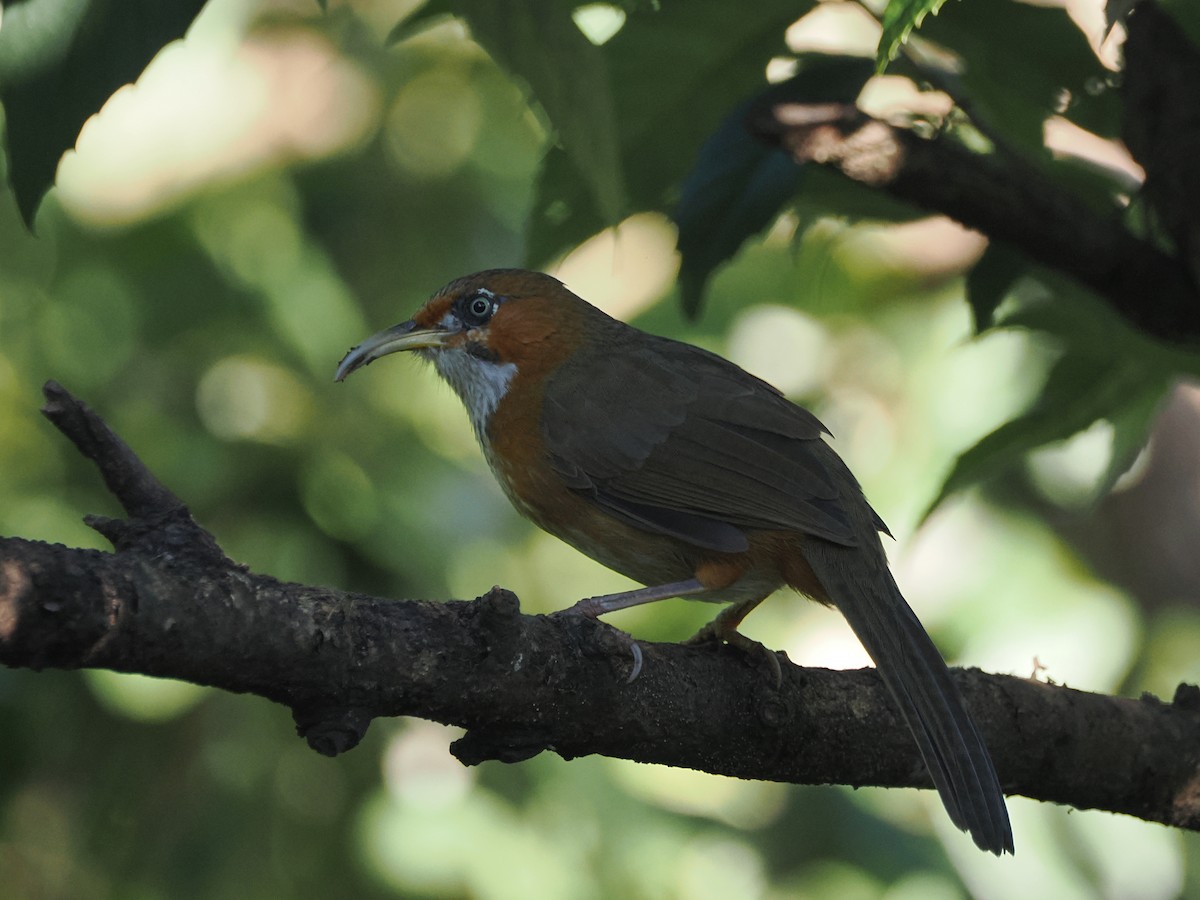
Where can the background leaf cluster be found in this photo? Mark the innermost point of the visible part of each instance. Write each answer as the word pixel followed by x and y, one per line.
pixel 292 176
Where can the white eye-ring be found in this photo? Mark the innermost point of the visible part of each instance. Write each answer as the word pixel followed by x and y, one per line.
pixel 478 308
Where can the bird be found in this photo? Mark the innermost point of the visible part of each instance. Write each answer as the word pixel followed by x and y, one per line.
pixel 679 469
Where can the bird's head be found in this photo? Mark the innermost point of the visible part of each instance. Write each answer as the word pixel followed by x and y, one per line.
pixel 485 330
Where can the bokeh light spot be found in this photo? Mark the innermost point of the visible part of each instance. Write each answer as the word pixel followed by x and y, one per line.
pixel 712 868
pixel 311 786
pixel 418 767
pixel 339 497
pixel 262 242
pixel 241 397
pixel 434 123
pixel 743 804
pixel 89 329
pixel 143 698
pixel 782 346
pixel 1070 472
pixel 205 112
pixel 622 269
pixel 599 22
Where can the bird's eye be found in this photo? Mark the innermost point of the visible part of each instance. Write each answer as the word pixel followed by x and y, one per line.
pixel 479 309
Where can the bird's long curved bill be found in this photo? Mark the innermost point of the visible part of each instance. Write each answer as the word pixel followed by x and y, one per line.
pixel 405 336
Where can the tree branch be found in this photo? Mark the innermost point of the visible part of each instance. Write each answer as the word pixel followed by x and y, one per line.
pixel 168 603
pixel 1011 200
pixel 1161 125
pixel 1005 200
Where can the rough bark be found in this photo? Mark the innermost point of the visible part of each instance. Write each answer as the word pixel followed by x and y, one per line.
pixel 167 602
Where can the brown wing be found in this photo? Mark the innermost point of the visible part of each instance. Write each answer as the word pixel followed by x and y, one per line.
pixel 679 441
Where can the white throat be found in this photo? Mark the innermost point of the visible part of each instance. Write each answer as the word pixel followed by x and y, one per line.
pixel 479 383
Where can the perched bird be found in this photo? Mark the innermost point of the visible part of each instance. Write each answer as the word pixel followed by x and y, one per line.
pixel 680 470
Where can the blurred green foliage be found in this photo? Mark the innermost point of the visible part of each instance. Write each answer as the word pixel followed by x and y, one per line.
pixel 292 177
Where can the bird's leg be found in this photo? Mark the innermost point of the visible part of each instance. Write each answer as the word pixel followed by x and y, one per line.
pixel 724 626
pixel 606 603
pixel 593 607
pixel 724 629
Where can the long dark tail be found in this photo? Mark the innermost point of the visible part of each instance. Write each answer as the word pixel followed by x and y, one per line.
pixel 864 591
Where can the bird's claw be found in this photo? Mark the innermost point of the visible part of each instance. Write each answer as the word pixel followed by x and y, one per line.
pixel 586 610
pixel 720 632
pixel 637 661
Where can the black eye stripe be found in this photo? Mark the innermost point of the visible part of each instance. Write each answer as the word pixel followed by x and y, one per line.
pixel 482 351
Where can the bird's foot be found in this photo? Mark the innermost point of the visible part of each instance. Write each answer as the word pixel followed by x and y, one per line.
pixel 722 631
pixel 587 610
pixel 593 607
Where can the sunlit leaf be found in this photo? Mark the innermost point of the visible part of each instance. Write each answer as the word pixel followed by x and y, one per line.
pixel 60 60
pixel 900 17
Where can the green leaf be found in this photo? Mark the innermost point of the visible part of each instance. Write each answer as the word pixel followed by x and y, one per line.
pixel 990 280
pixel 675 72
pixel 1079 390
pixel 1104 188
pixel 1018 59
pixel 1107 371
pixel 1186 14
pixel 830 194
pixel 735 203
pixel 60 60
pixel 739 184
pixel 1131 423
pixel 1096 106
pixel 539 42
pixel 900 17
pixel 1082 323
